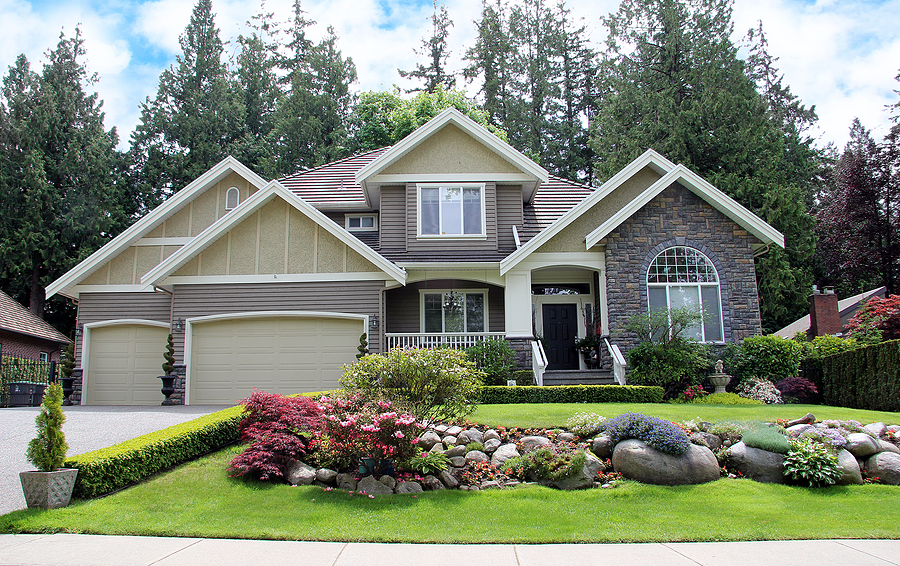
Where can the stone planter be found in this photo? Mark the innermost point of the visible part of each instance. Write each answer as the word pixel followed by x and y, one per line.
pixel 720 382
pixel 48 490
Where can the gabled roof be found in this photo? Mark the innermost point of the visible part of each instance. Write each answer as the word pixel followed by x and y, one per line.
pixel 155 217
pixel 16 318
pixel 671 173
pixel 259 199
pixel 333 186
pixel 846 309
pixel 532 173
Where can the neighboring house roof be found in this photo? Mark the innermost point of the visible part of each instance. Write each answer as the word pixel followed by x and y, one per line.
pixel 16 318
pixel 846 309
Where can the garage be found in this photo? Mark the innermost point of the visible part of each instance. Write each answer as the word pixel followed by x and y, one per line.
pixel 124 361
pixel 229 356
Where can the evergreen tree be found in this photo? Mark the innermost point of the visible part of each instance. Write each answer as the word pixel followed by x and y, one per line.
pixel 62 193
pixel 489 59
pixel 436 52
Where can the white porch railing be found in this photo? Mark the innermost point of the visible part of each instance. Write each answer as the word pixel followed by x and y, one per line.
pixel 619 363
pixel 538 361
pixel 438 340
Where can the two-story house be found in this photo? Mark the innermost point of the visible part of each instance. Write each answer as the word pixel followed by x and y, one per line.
pixel 448 237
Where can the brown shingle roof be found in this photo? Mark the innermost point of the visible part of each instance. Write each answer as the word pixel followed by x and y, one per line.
pixel 553 199
pixel 332 183
pixel 16 318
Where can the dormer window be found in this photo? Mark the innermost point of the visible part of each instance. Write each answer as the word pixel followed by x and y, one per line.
pixel 451 211
pixel 361 222
pixel 232 198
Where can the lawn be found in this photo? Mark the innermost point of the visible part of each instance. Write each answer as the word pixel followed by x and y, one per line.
pixel 198 499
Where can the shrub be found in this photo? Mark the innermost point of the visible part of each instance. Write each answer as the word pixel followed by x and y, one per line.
pixel 496 358
pixel 480 472
pixel 274 426
pixel 524 377
pixel 474 446
pixel 427 463
pixel 725 399
pixel 760 390
pixel 832 438
pixel 797 389
pixel 660 434
pixel 766 358
pixel 585 425
pixel 546 464
pixel 877 320
pixel 812 464
pixel 572 394
pixel 431 384
pixel 865 378
pixel 692 393
pixel 47 450
pixel 767 438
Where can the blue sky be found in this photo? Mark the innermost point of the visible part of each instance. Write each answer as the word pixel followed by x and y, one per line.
pixel 841 55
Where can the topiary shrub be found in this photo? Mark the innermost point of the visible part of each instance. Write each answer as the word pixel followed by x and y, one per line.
pixel 811 463
pixel 47 450
pixel 433 385
pixel 660 434
pixel 496 358
pixel 524 377
pixel 768 438
pixel 725 399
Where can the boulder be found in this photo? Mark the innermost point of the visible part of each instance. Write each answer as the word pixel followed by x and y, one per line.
pixel 477 456
pixel 298 473
pixel 878 429
pixel 345 482
pixel 441 428
pixel 431 483
pixel 862 445
pixel 458 461
pixel 885 466
pixel 585 477
pixel 756 464
pixel 456 451
pixel 325 475
pixel 409 487
pixel 532 443
pixel 491 484
pixel 453 430
pixel 489 434
pixel 372 486
pixel 471 435
pixel 798 429
pixel 448 480
pixel 428 440
pixel 566 437
pixel 851 474
pixel 808 418
pixel 637 460
pixel 439 447
pixel 450 441
pixel 491 444
pixel 603 446
pixel 888 446
pixel 893 428
pixel 389 481
pixel 711 441
pixel 504 453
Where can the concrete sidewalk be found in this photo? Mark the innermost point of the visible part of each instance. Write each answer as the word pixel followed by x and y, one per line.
pixel 93 550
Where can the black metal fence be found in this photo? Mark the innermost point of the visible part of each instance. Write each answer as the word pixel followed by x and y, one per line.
pixel 16 376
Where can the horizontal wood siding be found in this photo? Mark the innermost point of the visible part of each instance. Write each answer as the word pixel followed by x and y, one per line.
pixel 358 297
pixel 98 307
pixel 490 211
pixel 403 308
pixel 392 218
pixel 509 214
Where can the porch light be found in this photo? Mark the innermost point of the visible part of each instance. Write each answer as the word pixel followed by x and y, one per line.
pixel 373 322
pixel 79 330
pixel 178 325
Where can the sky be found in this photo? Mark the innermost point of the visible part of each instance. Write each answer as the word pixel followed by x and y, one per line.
pixel 840 55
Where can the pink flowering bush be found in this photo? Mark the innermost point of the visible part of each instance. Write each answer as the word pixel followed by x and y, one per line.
pixel 359 430
pixel 692 392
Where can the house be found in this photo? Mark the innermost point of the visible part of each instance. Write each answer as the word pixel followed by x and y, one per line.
pixel 843 310
pixel 25 335
pixel 448 237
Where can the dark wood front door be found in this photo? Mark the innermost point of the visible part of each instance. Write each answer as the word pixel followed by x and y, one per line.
pixel 560 329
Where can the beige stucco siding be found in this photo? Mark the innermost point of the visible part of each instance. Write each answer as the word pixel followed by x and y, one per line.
pixel 572 237
pixel 450 151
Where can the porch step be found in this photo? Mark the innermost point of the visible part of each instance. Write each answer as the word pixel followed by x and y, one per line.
pixel 578 377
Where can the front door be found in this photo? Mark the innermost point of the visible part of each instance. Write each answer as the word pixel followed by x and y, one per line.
pixel 560 329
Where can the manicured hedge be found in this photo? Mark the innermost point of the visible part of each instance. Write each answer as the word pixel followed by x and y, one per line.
pixel 572 394
pixel 867 378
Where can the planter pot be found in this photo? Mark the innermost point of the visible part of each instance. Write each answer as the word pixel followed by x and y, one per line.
pixel 168 388
pixel 720 381
pixel 48 490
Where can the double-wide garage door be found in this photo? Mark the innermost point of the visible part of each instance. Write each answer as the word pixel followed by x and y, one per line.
pixel 281 354
pixel 124 362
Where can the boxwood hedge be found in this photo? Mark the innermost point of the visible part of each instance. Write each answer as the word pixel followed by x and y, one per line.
pixel 572 394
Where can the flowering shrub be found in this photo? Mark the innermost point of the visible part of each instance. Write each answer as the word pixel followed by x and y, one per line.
pixel 831 437
pixel 554 463
pixel 692 393
pixel 810 463
pixel 877 320
pixel 585 425
pixel 480 472
pixel 277 428
pixel 358 430
pixel 659 434
pixel 495 357
pixel 760 390
pixel 431 384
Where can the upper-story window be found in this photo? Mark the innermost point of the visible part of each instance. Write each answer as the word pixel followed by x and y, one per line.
pixel 361 222
pixel 232 198
pixel 454 211
pixel 684 277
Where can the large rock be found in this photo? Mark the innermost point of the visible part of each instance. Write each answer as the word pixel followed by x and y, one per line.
pixel 885 466
pixel 603 446
pixel 389 481
pixel 325 475
pixel 566 437
pixel 878 429
pixel 808 418
pixel 458 461
pixel 431 483
pixel 489 434
pixel 428 440
pixel 298 473
pixel 453 430
pixel 850 472
pixel 888 446
pixel 756 464
pixel 372 486
pixel 637 460
pixel 532 443
pixel 477 456
pixel 448 479
pixel 346 482
pixel 711 441
pixel 456 451
pixel 409 487
pixel 862 445
pixel 585 477
pixel 470 435
pixel 491 445
pixel 504 453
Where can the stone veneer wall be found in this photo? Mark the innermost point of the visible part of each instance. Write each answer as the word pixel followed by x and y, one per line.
pixel 522 348
pixel 678 217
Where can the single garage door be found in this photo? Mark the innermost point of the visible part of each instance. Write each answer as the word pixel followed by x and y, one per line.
pixel 124 362
pixel 275 354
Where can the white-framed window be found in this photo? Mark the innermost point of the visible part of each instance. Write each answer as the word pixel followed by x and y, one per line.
pixel 361 222
pixel 454 311
pixel 451 211
pixel 232 198
pixel 681 276
pixel 44 356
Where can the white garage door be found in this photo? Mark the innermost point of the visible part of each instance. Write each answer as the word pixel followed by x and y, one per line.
pixel 275 354
pixel 124 362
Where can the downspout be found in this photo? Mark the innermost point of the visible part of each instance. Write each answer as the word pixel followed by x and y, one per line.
pixel 171 302
pixel 762 253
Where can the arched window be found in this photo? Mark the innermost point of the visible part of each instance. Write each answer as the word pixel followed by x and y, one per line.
pixel 232 198
pixel 684 277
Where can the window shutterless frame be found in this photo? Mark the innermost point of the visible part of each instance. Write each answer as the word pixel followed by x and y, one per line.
pixel 361 222
pixel 437 316
pixel 450 211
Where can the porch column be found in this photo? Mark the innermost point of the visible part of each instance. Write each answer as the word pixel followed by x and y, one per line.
pixel 517 304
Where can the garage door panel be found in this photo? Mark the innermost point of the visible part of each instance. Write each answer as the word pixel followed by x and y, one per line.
pixel 124 362
pixel 280 355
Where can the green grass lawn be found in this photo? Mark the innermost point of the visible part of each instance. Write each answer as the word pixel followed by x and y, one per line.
pixel 198 499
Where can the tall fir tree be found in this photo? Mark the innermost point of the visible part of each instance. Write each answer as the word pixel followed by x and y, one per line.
pixel 489 59
pixel 62 193
pixel 436 52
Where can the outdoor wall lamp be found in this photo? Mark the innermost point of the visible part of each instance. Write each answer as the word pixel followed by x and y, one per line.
pixel 373 322
pixel 178 325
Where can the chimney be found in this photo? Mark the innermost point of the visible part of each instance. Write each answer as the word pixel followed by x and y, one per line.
pixel 824 318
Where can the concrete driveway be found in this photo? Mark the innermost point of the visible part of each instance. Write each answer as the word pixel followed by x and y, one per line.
pixel 86 429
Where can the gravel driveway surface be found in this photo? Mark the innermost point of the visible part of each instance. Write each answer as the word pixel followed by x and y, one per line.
pixel 86 429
